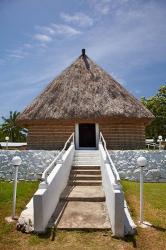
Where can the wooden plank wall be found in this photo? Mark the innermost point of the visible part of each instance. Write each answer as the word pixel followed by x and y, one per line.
pixel 117 136
pixel 124 136
pixel 49 137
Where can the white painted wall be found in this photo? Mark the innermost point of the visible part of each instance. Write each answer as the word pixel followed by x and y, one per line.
pixel 114 196
pixel 46 199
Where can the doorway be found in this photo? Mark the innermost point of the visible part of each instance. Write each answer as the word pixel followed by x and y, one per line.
pixel 87 135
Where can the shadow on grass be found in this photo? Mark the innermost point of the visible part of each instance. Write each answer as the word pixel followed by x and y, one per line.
pixel 132 239
pixel 51 234
pixel 161 229
pixel 45 235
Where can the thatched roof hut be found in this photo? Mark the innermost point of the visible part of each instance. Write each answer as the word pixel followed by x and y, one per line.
pixel 83 94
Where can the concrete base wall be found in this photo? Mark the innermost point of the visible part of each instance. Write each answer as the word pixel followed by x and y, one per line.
pixel 34 162
pixel 126 164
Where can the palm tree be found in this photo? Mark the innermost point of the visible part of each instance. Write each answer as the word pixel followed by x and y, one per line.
pixel 11 129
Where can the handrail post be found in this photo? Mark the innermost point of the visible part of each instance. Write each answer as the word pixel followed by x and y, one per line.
pixel 72 141
pixel 114 170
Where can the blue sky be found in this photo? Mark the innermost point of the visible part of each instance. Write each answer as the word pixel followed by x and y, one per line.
pixel 39 38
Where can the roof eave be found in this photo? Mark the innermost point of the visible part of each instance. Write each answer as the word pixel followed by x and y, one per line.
pixel 115 119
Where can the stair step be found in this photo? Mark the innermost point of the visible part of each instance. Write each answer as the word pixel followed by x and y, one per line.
pixel 83 193
pixel 86 161
pixel 86 157
pixel 84 215
pixel 90 158
pixel 86 151
pixel 86 164
pixel 85 183
pixel 84 177
pixel 85 199
pixel 86 167
pixel 86 171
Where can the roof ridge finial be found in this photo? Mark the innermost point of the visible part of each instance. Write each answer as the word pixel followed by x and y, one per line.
pixel 83 52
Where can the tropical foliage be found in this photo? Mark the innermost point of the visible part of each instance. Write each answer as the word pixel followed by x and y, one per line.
pixel 1 134
pixel 11 129
pixel 157 105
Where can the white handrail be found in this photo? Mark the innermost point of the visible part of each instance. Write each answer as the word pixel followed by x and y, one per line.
pixel 45 173
pixel 115 172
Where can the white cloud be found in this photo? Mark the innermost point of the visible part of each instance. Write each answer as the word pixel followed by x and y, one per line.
pixel 47 33
pixel 42 38
pixel 134 37
pixel 119 79
pixel 101 6
pixel 105 7
pixel 16 56
pixel 24 86
pixel 28 45
pixel 40 77
pixel 79 19
pixel 19 53
pixel 129 37
pixel 65 30
pixel 46 30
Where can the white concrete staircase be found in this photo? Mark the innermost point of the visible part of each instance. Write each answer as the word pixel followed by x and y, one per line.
pixel 82 203
pixel 83 199
pixel 86 169
pixel 86 158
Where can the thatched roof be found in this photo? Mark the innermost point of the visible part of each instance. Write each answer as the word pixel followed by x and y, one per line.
pixel 84 91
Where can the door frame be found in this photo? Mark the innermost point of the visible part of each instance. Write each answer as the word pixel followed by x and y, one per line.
pixel 77 136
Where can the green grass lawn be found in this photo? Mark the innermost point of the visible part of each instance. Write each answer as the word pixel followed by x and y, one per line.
pixel 152 238
pixel 154 212
pixel 154 199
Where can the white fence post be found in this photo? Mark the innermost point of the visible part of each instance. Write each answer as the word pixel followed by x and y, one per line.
pixel 16 161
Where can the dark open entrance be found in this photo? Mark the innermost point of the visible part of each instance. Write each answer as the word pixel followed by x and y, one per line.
pixel 87 135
